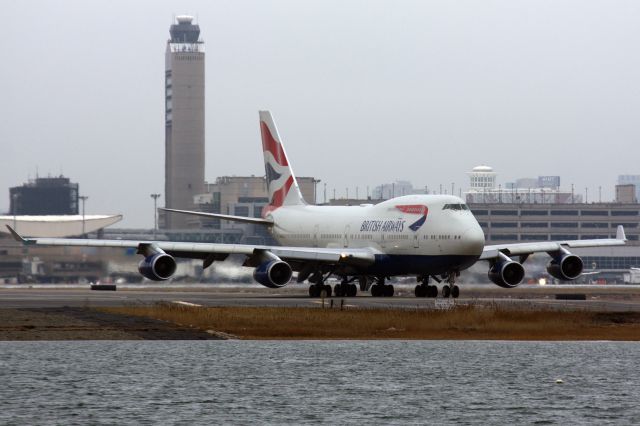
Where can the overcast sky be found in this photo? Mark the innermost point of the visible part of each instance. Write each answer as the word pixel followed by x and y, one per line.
pixel 363 92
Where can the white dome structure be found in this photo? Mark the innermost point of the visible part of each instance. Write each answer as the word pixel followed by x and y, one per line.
pixel 482 178
pixel 483 169
pixel 184 19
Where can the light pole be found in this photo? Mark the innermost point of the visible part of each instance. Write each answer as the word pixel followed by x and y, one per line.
pixel 14 206
pixel 571 193
pixel 325 193
pixel 155 213
pixel 315 190
pixel 83 198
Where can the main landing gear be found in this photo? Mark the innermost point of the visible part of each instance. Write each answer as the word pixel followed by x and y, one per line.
pixel 424 289
pixel 451 289
pixel 315 290
pixel 380 289
pixel 448 290
pixel 345 289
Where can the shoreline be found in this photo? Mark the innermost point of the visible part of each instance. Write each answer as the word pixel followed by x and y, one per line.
pixel 175 322
pixel 67 323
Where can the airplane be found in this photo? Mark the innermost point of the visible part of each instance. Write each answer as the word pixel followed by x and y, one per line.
pixel 426 236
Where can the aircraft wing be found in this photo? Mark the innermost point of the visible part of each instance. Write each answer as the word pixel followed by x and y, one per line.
pixel 242 219
pixel 525 249
pixel 210 252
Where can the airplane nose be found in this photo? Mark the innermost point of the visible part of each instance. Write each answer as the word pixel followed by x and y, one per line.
pixel 473 240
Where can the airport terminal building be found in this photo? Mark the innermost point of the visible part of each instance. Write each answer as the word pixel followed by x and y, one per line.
pixel 515 222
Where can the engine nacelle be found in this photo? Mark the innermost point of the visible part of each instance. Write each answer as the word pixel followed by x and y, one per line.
pixel 273 273
pixel 565 266
pixel 506 273
pixel 157 267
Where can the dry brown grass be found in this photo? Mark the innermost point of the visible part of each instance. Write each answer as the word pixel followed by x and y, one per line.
pixel 463 322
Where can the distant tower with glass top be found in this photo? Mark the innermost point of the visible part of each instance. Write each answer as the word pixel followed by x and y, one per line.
pixel 184 120
pixel 482 178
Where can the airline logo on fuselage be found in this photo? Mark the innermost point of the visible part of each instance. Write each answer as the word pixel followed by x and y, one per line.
pixel 420 209
pixel 397 225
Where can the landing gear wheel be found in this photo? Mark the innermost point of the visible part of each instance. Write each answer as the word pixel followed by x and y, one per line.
pixel 351 290
pixel 455 291
pixel 327 290
pixel 421 290
pixel 376 290
pixel 388 290
pixel 339 290
pixel 432 291
pixel 313 291
pixel 446 291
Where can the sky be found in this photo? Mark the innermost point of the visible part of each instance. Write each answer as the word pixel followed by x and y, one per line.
pixel 363 92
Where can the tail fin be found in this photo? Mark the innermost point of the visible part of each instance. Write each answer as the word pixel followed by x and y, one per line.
pixel 281 182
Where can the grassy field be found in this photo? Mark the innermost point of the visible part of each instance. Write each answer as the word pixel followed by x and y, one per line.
pixel 462 322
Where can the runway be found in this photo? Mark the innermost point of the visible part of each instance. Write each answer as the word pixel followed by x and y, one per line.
pixel 624 298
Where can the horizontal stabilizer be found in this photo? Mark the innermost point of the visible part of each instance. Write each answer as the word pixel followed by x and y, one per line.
pixel 15 235
pixel 242 219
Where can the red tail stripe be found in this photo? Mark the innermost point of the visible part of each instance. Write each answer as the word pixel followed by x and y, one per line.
pixel 281 194
pixel 273 146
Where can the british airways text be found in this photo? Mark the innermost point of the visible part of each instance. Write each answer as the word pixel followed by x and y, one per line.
pixel 382 226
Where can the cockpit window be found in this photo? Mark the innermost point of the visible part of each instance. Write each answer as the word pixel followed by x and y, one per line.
pixel 455 207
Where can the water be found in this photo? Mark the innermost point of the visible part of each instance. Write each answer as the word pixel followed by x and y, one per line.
pixel 304 382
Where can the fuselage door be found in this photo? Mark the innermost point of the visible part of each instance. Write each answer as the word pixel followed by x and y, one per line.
pixel 315 235
pixel 346 235
pixel 416 240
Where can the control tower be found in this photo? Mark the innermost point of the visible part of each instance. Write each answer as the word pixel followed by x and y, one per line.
pixel 482 178
pixel 184 119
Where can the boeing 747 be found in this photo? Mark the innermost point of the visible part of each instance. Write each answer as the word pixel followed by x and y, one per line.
pixel 426 236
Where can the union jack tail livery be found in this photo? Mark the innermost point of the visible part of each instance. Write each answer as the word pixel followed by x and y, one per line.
pixel 281 182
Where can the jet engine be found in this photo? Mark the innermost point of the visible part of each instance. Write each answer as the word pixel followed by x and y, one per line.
pixel 157 267
pixel 506 272
pixel 273 273
pixel 565 266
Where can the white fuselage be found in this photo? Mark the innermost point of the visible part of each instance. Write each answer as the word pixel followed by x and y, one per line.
pixel 392 228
